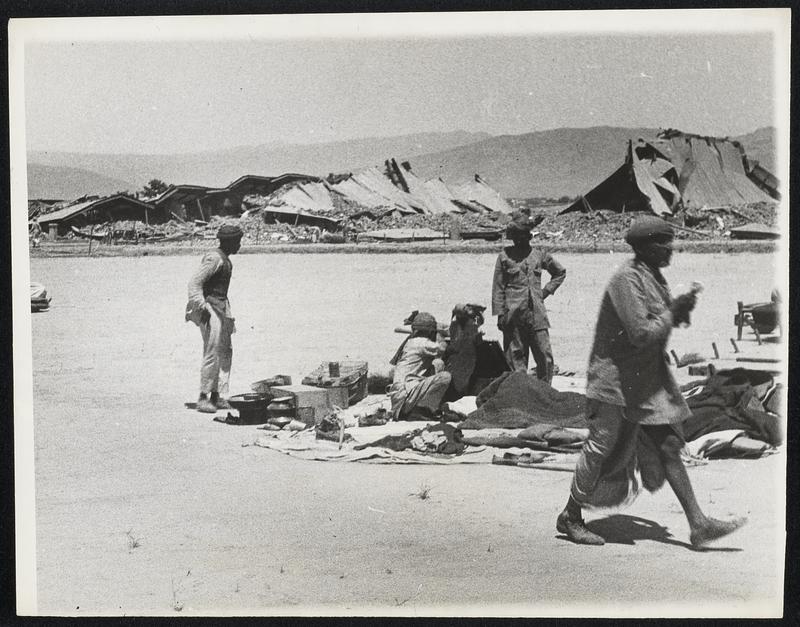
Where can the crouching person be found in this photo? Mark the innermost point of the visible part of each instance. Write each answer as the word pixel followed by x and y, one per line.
pixel 419 383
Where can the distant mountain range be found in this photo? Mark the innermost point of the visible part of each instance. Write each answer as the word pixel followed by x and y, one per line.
pixel 59 182
pixel 560 162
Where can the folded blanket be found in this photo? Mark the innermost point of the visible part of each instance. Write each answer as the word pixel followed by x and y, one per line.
pixel 730 399
pixel 518 400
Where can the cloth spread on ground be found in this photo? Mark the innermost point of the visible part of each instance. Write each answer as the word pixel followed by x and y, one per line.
pixel 518 400
pixel 304 445
pixel 731 399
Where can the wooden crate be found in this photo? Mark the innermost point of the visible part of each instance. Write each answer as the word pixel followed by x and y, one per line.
pixel 346 389
pixel 305 398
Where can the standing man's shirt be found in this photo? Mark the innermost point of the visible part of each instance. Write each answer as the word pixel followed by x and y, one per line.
pixel 628 365
pixel 517 284
pixel 209 284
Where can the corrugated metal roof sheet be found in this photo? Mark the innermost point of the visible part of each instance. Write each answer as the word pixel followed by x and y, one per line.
pixel 304 197
pixel 479 192
pixel 383 189
pixel 376 181
pixel 73 210
pixel 66 212
pixel 183 193
pixel 352 189
pixel 268 184
pixel 435 203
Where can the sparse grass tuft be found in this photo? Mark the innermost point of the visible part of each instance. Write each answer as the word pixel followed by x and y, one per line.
pixel 423 493
pixel 133 542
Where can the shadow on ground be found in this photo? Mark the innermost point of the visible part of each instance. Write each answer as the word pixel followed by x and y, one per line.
pixel 624 529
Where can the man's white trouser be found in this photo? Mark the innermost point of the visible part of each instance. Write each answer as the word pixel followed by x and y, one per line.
pixel 215 371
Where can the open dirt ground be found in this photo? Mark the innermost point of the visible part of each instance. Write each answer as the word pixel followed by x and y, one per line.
pixel 144 507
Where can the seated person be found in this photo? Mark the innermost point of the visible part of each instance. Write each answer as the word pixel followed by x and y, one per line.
pixel 419 385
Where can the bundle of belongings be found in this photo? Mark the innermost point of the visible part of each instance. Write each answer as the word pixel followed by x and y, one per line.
pixel 440 438
pixel 734 413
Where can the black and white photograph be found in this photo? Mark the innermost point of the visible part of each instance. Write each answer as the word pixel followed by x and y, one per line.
pixel 464 314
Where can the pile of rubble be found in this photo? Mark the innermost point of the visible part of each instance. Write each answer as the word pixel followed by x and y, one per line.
pixel 606 226
pixel 597 226
pixel 589 227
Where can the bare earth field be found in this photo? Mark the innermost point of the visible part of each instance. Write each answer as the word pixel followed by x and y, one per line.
pixel 144 507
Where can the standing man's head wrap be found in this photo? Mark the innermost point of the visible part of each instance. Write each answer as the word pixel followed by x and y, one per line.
pixel 229 232
pixel 520 226
pixel 649 229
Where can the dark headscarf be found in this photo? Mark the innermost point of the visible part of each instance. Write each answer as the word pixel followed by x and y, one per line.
pixel 647 229
pixel 229 231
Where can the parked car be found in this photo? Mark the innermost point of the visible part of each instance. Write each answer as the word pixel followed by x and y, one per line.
pixel 40 299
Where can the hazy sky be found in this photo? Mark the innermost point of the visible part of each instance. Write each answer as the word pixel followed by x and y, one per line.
pixel 161 97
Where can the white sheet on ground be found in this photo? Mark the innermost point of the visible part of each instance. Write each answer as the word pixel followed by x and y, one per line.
pixel 463 406
pixel 710 443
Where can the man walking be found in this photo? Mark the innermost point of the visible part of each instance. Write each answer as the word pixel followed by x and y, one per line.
pixel 518 299
pixel 209 309
pixel 634 406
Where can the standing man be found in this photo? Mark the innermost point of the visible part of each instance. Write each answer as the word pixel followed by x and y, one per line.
pixel 518 299
pixel 634 406
pixel 209 309
pixel 419 386
pixel 35 233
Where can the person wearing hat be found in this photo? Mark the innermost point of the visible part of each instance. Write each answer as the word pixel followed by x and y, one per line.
pixel 634 406
pixel 209 309
pixel 417 388
pixel 518 298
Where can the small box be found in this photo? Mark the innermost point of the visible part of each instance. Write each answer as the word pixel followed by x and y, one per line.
pixel 347 388
pixel 311 403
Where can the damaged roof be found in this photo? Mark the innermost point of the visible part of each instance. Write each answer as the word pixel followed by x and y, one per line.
pixel 71 211
pixel 676 169
pixel 477 192
pixel 712 170
pixel 265 185
pixel 183 194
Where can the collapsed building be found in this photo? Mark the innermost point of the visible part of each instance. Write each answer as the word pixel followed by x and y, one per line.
pixel 93 210
pixel 377 191
pixel 295 199
pixel 680 170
